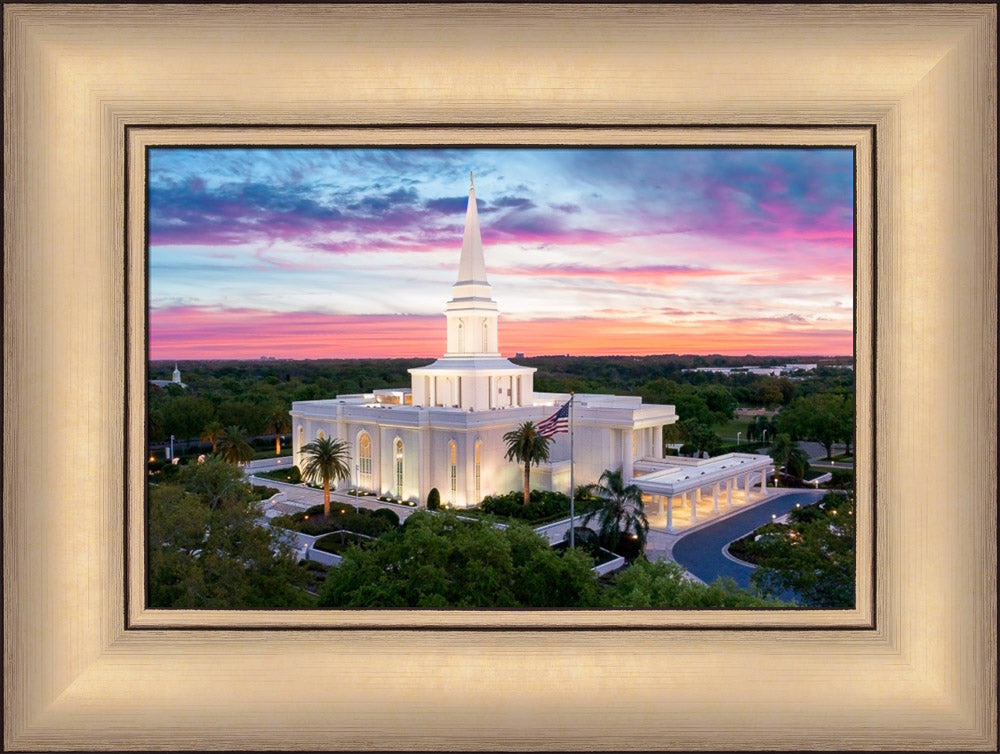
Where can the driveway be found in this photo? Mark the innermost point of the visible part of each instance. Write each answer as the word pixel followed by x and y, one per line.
pixel 700 552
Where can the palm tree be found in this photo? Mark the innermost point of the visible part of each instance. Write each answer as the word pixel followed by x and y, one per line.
pixel 212 433
pixel 326 459
pixel 278 421
pixel 781 450
pixel 526 446
pixel 621 511
pixel 233 445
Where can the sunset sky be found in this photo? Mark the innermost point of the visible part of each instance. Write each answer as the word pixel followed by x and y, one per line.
pixel 348 253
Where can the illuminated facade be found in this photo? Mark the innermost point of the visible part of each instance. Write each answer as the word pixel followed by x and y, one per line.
pixel 446 430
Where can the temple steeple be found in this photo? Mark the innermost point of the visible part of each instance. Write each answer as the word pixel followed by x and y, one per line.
pixel 472 375
pixel 472 312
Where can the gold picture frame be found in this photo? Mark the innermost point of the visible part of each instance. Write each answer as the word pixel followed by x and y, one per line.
pixel 81 668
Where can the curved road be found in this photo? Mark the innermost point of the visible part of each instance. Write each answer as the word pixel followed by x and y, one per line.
pixel 700 552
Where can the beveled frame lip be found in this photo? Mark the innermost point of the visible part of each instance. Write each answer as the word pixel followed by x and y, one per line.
pixel 925 677
pixel 139 139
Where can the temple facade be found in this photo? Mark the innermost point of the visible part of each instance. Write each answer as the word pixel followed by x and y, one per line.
pixel 445 430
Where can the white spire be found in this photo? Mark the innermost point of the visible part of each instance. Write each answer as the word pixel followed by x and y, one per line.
pixel 472 265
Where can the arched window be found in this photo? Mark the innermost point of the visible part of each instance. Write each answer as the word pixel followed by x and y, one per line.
pixel 398 447
pixel 302 435
pixel 486 336
pixel 365 461
pixel 461 337
pixel 478 453
pixel 453 466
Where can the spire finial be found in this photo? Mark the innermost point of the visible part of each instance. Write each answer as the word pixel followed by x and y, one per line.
pixel 472 182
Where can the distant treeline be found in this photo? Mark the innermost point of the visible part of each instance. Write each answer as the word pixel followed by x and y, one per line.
pixel 251 394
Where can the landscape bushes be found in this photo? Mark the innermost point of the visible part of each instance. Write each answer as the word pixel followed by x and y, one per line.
pixel 542 506
pixel 372 523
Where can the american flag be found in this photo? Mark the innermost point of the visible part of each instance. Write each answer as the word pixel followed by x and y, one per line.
pixel 558 422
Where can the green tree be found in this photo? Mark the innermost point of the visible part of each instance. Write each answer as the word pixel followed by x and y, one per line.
pixel 664 584
pixel 621 510
pixel 244 413
pixel 207 549
pixel 324 460
pixel 212 433
pixel 279 421
pixel 701 437
pixel 443 561
pixel 813 555
pixel 525 445
pixel 185 416
pixel 233 445
pixel 720 402
pixel 781 449
pixel 433 499
pixel 821 417
pixel 760 428
pixel 687 401
pixel 215 481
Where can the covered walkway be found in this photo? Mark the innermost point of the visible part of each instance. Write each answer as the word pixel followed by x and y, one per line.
pixel 682 492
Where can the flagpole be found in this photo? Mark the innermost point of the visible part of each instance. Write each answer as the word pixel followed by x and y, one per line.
pixel 572 489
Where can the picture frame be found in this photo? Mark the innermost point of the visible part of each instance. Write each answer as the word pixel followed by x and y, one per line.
pixel 82 671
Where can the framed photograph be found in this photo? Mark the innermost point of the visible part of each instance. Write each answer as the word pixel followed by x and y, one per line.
pixel 89 88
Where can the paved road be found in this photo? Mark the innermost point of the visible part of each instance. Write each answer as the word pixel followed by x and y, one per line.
pixel 700 552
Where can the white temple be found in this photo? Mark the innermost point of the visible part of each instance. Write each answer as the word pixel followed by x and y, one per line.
pixel 446 429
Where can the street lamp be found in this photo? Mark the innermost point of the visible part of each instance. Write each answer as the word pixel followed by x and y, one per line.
pixel 738 437
pixel 765 437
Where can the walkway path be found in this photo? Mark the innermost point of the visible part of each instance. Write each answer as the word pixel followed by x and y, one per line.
pixel 305 497
pixel 701 551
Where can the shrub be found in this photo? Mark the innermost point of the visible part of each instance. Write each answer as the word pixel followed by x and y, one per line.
pixel 841 479
pixel 263 493
pixel 543 505
pixel 388 514
pixel 314 523
pixel 433 499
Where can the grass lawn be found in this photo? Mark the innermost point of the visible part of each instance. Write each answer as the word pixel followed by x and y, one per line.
pixel 728 430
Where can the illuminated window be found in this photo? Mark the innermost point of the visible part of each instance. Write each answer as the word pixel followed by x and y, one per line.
pixel 453 456
pixel 365 461
pixel 635 444
pixel 399 467
pixel 321 434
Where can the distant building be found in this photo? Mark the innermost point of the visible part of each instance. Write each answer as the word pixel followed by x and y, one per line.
pixel 174 380
pixel 775 371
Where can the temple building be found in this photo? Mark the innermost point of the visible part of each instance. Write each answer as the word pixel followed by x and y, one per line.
pixel 446 429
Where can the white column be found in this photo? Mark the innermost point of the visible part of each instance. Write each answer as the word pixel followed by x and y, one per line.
pixel 627 459
pixel 694 503
pixel 729 492
pixel 715 497
pixel 659 499
pixel 670 512
pixel 746 485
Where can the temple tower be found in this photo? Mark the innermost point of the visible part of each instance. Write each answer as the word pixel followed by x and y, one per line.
pixel 472 375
